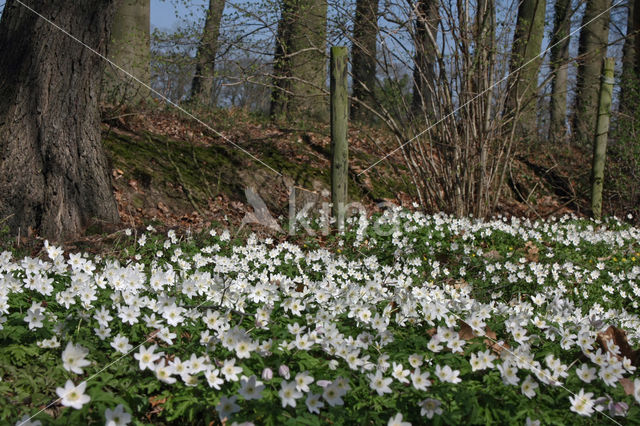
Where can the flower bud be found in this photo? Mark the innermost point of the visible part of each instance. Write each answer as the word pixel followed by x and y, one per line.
pixel 284 372
pixel 267 374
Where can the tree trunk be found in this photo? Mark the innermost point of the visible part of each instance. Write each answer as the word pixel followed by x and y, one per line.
pixel 601 136
pixel 363 54
pixel 591 52
pixel 630 60
pixel 54 176
pixel 300 69
pixel 560 70
pixel 523 79
pixel 129 48
pixel 424 74
pixel 202 85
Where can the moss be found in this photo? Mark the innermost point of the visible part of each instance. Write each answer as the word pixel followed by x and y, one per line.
pixel 179 170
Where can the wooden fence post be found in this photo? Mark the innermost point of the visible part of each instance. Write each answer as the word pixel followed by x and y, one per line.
pixel 339 122
pixel 600 138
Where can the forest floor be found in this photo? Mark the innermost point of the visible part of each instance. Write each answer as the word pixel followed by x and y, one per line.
pixel 169 169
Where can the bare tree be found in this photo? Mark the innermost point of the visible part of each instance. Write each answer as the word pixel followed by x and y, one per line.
pixel 426 22
pixel 300 69
pixel 130 49
pixel 203 80
pixel 631 59
pixel 363 57
pixel 591 53
pixel 560 70
pixel 525 67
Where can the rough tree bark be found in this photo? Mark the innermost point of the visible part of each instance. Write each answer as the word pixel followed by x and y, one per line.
pixel 424 77
pixel 629 83
pixel 54 177
pixel 202 84
pixel 129 48
pixel 523 79
pixel 363 54
pixel 592 50
pixel 560 69
pixel 300 62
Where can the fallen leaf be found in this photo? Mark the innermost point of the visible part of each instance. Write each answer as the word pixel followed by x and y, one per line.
pixel 627 385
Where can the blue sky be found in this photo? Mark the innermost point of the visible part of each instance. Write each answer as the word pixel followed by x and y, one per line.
pixel 163 12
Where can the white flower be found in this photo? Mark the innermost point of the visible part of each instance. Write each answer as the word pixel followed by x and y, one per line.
pixel 35 315
pixel 117 416
pixel 251 388
pixel 72 395
pixel 429 407
pixel 582 403
pixel 227 406
pixel 121 344
pixel 509 373
pixel 415 360
pixel 333 395
pixel 147 357
pixel 636 390
pixel 314 403
pixel 303 380
pixel 213 378
pixel 529 387
pixel 586 373
pixel 379 384
pixel 397 421
pixel 288 393
pixel 446 374
pixel 230 370
pixel 420 380
pixel 400 373
pixel 164 372
pixel 73 358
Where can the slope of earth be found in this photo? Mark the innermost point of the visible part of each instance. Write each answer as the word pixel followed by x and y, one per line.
pixel 178 172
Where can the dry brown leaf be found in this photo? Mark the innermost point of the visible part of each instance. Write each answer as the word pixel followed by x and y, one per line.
pixel 627 385
pixel 466 332
pixel 492 341
pixel 493 254
pixel 619 338
pixel 532 251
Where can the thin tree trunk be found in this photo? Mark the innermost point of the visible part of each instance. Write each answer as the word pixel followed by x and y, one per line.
pixel 591 52
pixel 424 73
pixel 560 70
pixel 129 48
pixel 54 176
pixel 363 53
pixel 524 67
pixel 601 136
pixel 300 62
pixel 485 46
pixel 202 84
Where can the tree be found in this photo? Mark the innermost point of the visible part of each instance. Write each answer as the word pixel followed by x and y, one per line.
pixel 129 48
pixel 560 69
pixel 631 60
pixel 524 67
pixel 592 50
pixel 54 177
pixel 202 85
pixel 363 58
pixel 300 66
pixel 426 27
